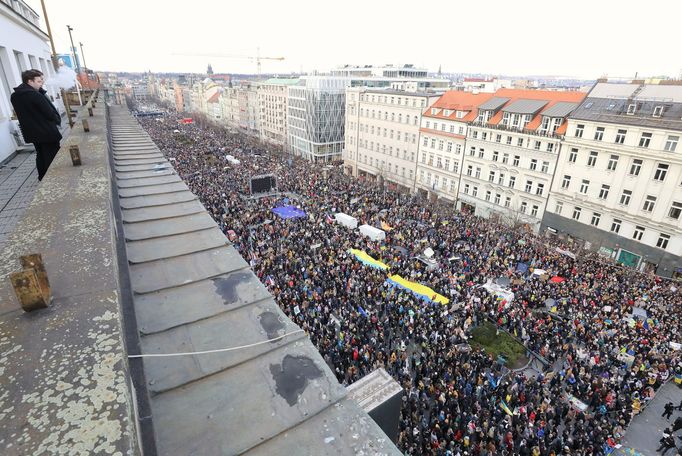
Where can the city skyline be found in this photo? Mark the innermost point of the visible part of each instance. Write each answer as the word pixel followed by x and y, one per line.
pixel 576 42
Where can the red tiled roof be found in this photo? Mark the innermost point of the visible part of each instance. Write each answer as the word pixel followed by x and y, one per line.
pixel 456 100
pixel 551 96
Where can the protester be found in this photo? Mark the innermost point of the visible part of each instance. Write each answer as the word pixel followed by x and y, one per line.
pixel 457 400
pixel 38 118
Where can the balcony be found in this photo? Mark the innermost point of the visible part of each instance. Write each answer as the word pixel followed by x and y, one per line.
pixel 22 9
pixel 524 131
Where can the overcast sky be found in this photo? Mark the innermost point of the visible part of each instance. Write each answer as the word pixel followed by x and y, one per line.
pixel 578 38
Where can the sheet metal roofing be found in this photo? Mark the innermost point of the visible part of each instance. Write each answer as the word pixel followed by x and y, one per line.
pixel 524 106
pixel 493 104
pixel 656 106
pixel 561 109
pixel 194 292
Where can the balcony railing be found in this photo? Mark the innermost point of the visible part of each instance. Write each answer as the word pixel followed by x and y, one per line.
pixel 525 131
pixel 22 9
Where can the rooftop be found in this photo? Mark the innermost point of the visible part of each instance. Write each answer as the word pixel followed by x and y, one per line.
pixel 456 100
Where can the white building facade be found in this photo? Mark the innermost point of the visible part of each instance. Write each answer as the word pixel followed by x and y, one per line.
pixel 382 134
pixel 272 109
pixel 618 185
pixel 444 127
pixel 315 117
pixel 511 153
pixel 23 46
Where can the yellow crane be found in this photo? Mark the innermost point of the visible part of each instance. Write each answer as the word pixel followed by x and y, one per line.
pixel 257 57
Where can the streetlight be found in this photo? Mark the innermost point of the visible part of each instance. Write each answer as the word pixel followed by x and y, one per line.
pixel 85 65
pixel 73 49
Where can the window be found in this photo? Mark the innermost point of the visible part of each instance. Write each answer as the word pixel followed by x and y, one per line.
pixel 545 167
pixel 645 140
pixel 625 197
pixel 658 111
pixel 615 225
pixel 474 193
pixel 423 158
pixel 519 142
pixel 505 158
pixel 487 195
pixel 498 138
pixel 573 156
pixel 596 216
pixel 517 158
pixel 558 207
pixel 433 143
pixel 449 149
pixel 537 145
pixel 507 201
pixel 439 162
pixel 534 211
pixel 639 231
pixel 524 207
pixel 579 129
pixel 509 139
pixel 455 167
pixel 661 172
pixel 428 124
pixel 631 109
pixel 472 151
pixel 529 186
pixel 662 242
pixel 540 189
pixel 620 136
pixel 447 164
pixel 491 176
pixel 613 162
pixel 649 203
pixel 584 186
pixel 478 173
pixel 533 164
pixel 550 147
pixel 496 155
pixel 576 213
pixel 484 136
pixel 441 143
pixel 458 149
pixel 512 181
pixel 466 188
pixel 671 143
pixel 636 167
pixel 500 179
pixel 566 182
pixel 474 134
pixel 470 170
pixel 604 192
pixel 599 134
pixel 675 210
pixel 592 159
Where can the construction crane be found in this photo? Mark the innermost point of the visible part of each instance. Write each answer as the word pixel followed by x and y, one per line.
pixel 257 57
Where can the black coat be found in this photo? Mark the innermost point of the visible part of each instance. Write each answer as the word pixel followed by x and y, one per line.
pixel 38 118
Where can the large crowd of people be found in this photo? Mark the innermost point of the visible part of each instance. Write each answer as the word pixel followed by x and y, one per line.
pixel 601 365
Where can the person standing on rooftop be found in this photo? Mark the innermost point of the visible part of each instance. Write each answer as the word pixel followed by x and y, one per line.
pixel 38 118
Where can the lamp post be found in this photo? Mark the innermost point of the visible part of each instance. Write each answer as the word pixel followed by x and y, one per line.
pixel 55 64
pixel 85 65
pixel 73 49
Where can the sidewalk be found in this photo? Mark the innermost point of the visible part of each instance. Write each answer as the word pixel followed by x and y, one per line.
pixel 18 182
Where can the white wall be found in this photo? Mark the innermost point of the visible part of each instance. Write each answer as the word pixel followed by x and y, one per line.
pixel 16 35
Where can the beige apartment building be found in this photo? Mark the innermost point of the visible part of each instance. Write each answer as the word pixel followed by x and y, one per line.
pixel 382 134
pixel 272 109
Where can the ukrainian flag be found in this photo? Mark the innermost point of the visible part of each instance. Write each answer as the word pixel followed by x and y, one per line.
pixel 368 260
pixel 421 291
pixel 505 407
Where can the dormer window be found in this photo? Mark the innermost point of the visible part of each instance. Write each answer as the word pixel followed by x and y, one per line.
pixel 631 109
pixel 658 111
pixel 505 119
pixel 545 124
pixel 460 114
pixel 447 113
pixel 434 111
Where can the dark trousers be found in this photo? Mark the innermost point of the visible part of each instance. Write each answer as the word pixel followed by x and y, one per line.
pixel 45 153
